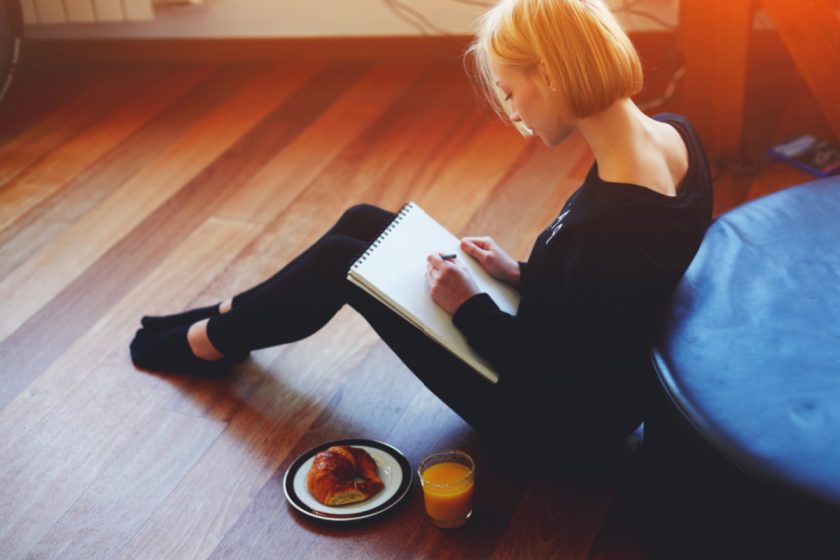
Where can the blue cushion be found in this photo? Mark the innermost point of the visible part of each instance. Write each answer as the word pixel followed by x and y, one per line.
pixel 749 352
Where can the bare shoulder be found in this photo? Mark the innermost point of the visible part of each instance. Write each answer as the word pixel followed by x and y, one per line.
pixel 663 161
pixel 675 149
pixel 657 161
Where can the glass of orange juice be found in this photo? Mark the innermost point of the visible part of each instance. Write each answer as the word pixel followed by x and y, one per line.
pixel 448 478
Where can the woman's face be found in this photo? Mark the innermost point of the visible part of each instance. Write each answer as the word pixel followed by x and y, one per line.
pixel 527 103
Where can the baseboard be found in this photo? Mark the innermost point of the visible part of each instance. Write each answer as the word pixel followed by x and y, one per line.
pixel 243 50
pixel 450 47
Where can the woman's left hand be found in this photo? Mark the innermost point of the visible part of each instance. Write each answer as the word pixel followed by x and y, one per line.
pixel 450 282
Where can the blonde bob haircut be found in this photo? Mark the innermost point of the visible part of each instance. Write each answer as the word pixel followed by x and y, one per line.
pixel 579 44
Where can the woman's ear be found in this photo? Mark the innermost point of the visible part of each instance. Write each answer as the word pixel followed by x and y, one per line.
pixel 546 79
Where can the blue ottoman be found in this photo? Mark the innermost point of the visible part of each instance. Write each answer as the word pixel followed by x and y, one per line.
pixel 742 443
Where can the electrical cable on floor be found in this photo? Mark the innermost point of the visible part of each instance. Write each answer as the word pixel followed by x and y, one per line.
pixel 629 7
pixel 743 168
pixel 475 3
pixel 670 89
pixel 413 17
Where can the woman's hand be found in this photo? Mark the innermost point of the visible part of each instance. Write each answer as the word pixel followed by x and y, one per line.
pixel 492 258
pixel 450 282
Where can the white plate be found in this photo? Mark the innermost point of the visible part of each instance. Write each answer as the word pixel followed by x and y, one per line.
pixel 394 471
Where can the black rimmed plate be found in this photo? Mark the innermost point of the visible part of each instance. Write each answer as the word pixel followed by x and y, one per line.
pixel 394 471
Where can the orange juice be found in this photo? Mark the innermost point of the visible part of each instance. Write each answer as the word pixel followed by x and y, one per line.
pixel 447 492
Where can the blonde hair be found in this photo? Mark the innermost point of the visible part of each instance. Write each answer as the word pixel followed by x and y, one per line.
pixel 587 56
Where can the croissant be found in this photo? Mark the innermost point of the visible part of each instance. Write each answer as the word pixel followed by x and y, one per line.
pixel 343 475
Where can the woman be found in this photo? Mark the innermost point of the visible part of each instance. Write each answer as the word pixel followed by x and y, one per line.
pixel 574 359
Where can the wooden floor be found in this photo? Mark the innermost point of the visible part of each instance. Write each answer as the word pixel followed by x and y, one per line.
pixel 148 189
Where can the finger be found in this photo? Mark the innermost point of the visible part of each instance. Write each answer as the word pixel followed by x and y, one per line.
pixel 431 276
pixel 475 251
pixel 474 241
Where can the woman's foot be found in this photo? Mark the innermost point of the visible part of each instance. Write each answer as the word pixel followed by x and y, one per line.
pixel 171 351
pixel 200 343
pixel 161 323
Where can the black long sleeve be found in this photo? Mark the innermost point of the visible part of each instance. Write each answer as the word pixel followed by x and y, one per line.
pixel 595 280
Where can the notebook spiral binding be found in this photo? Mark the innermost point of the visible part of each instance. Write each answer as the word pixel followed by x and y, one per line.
pixel 407 207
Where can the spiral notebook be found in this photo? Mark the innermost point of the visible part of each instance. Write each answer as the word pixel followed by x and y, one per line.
pixel 393 270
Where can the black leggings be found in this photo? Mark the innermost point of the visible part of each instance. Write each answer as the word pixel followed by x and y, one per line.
pixel 559 419
pixel 303 296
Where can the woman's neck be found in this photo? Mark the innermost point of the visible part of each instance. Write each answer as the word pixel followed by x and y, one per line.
pixel 616 135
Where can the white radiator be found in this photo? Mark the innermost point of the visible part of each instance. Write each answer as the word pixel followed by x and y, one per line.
pixel 85 11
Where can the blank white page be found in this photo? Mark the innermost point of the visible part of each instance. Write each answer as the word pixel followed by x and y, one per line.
pixel 394 271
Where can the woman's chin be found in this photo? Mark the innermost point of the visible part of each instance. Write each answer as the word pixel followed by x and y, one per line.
pixel 558 138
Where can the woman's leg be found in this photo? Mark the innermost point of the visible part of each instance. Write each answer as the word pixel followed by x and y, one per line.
pixel 299 297
pixel 306 294
pixel 363 221
pixel 459 386
pixel 294 304
pixel 312 290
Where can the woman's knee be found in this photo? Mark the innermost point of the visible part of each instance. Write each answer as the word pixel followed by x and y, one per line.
pixel 363 221
pixel 336 253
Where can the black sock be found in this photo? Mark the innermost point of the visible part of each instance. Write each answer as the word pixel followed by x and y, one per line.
pixel 165 322
pixel 169 351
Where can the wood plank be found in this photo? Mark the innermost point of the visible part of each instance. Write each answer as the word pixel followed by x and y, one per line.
pixel 778 177
pixel 810 32
pixel 360 164
pixel 57 437
pixel 469 174
pixel 319 50
pixel 80 197
pixel 75 114
pixel 164 287
pixel 36 91
pixel 129 259
pixel 408 49
pixel 55 213
pixel 68 255
pixel 289 398
pixel 560 515
pixel 131 488
pixel 570 512
pixel 292 169
pixel 415 171
pixel 730 189
pixel 63 164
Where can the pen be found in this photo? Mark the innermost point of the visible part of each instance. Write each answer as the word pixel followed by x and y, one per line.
pixel 448 257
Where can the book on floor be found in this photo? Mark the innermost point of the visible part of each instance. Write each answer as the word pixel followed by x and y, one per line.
pixel 806 152
pixel 393 270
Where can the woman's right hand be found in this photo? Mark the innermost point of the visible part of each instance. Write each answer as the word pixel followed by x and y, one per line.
pixel 492 258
